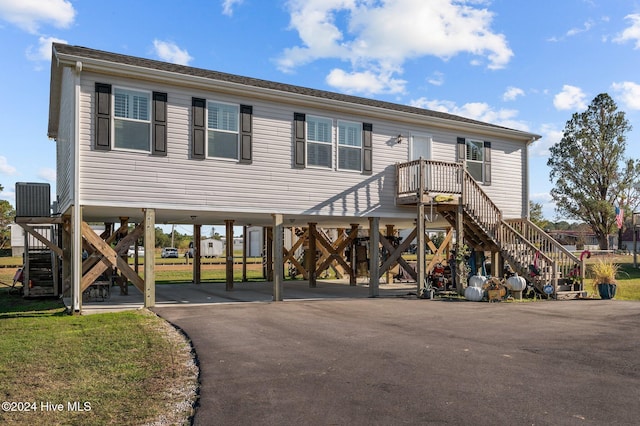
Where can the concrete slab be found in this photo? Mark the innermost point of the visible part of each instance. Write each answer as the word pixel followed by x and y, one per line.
pixel 214 293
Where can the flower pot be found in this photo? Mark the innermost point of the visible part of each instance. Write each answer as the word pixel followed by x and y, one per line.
pixel 607 291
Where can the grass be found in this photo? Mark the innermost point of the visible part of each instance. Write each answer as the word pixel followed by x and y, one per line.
pixel 123 365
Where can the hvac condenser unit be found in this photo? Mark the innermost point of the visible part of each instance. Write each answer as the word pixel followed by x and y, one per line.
pixel 33 199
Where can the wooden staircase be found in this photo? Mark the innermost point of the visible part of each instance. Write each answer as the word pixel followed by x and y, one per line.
pixel 529 251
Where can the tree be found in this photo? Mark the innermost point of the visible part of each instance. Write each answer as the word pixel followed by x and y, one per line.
pixel 536 216
pixel 162 239
pixel 7 215
pixel 589 169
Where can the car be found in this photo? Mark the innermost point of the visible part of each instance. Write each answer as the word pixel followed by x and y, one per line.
pixel 169 252
pixel 132 251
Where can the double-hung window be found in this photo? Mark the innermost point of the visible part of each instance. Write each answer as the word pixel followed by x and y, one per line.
pixel 222 130
pixel 475 159
pixel 319 141
pixel 132 119
pixel 349 146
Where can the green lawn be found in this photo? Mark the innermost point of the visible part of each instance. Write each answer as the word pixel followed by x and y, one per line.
pixel 119 368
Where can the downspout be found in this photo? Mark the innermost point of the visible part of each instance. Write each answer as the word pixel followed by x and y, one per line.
pixel 76 252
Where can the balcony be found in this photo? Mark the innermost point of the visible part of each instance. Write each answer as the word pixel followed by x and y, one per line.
pixel 429 181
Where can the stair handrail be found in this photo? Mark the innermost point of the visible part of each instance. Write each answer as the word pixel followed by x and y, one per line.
pixel 476 201
pixel 568 263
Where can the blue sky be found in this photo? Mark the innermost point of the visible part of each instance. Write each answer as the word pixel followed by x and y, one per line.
pixel 526 65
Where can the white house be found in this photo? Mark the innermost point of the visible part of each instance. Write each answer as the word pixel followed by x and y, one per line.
pixel 156 142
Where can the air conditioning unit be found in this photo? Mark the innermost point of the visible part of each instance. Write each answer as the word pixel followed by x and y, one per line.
pixel 33 199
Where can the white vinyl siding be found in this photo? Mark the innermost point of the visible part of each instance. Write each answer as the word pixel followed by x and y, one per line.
pixel 475 159
pixel 222 130
pixel 65 146
pixel 269 184
pixel 319 143
pixel 349 146
pixel 131 119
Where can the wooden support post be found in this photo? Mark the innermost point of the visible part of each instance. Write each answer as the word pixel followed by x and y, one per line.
pixel 136 259
pixel 311 256
pixel 149 258
pixel 197 256
pixel 76 258
pixel 374 256
pixel 229 270
pixel 420 252
pixel 390 234
pixel 353 261
pixel 461 281
pixel 278 258
pixel 66 256
pixel 244 253
pixel 268 262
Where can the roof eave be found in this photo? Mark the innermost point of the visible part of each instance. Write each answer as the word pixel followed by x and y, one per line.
pixel 205 83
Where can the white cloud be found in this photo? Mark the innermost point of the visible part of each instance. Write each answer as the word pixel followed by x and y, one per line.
pixel 170 52
pixel 550 136
pixel 47 174
pixel 228 5
pixel 380 36
pixel 629 93
pixel 571 97
pixel 43 51
pixel 437 79
pixel 366 82
pixel 512 93
pixel 575 31
pixel 5 167
pixel 631 33
pixel 475 110
pixel 9 195
pixel 29 15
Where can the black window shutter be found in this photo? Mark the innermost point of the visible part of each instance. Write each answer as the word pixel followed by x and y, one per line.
pixel 103 117
pixel 462 150
pixel 159 142
pixel 198 127
pixel 367 148
pixel 487 163
pixel 246 133
pixel 299 146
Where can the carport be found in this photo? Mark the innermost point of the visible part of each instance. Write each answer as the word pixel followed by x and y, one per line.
pixel 246 292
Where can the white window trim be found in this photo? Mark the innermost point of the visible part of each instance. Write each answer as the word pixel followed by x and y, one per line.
pixel 114 118
pixel 361 147
pixel 332 144
pixel 467 161
pixel 237 132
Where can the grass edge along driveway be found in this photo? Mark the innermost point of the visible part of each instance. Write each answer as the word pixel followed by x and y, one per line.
pixel 126 368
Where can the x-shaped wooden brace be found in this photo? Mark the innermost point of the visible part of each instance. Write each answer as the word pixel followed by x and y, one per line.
pixel 111 257
pixel 438 252
pixel 395 254
pixel 334 251
pixel 289 255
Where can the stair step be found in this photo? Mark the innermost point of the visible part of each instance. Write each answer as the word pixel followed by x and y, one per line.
pixel 570 295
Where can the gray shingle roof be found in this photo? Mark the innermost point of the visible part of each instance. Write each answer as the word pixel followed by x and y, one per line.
pixel 84 52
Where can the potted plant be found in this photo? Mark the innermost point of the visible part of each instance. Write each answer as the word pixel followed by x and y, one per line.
pixel 605 272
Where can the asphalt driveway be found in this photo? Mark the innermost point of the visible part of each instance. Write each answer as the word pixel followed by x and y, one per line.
pixel 399 360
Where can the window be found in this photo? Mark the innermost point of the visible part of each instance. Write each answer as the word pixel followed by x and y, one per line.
pixel 349 146
pixel 132 125
pixel 222 130
pixel 319 141
pixel 476 155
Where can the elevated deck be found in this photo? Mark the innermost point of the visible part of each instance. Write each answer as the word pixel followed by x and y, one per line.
pixel 477 219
